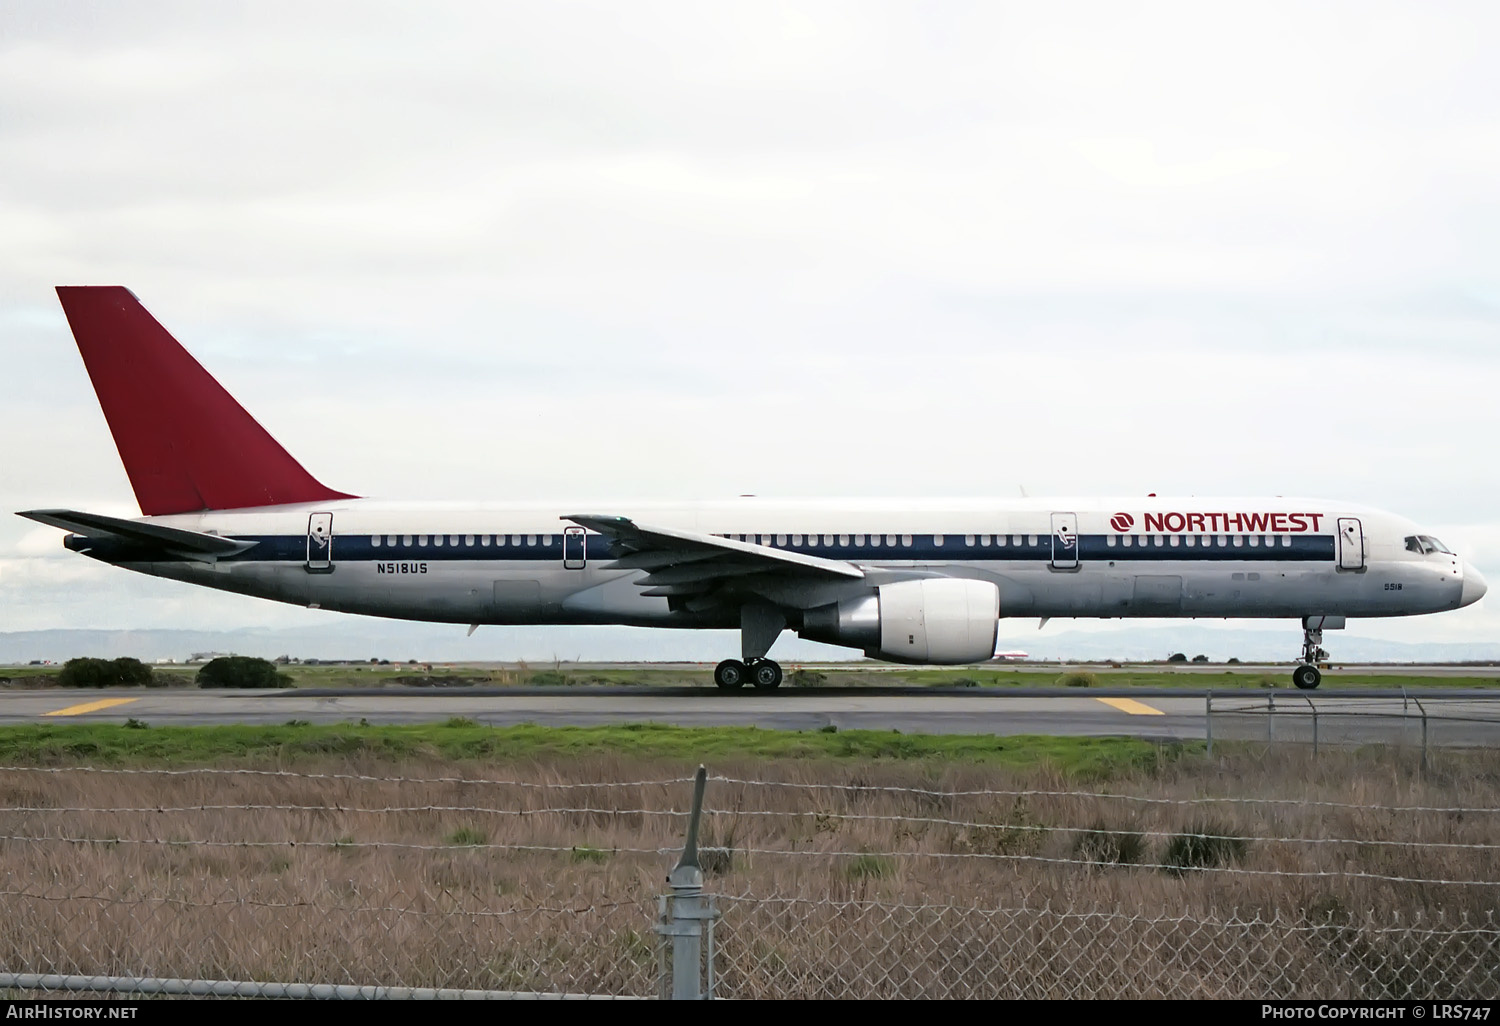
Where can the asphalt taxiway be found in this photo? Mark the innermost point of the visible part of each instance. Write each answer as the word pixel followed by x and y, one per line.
pixel 1456 716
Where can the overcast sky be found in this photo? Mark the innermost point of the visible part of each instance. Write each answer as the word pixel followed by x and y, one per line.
pixel 520 250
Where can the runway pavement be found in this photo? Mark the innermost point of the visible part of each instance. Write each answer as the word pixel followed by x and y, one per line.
pixel 1467 717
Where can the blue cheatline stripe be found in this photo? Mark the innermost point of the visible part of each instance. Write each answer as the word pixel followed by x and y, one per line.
pixel 1092 548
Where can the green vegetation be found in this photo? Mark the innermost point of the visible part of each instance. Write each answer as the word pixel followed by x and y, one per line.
pixel 242 672
pixel 1203 846
pixel 104 673
pixel 109 743
pixel 1078 680
pixel 869 867
pixel 583 853
pixel 467 836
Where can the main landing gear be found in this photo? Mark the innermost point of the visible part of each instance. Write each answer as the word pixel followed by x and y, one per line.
pixel 760 625
pixel 763 674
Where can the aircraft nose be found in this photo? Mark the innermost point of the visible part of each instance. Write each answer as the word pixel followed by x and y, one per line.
pixel 1474 587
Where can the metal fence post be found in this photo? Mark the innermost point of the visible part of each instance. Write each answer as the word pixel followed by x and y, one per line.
pixel 687 914
pixel 1423 710
pixel 1314 709
pixel 1271 719
pixel 1209 702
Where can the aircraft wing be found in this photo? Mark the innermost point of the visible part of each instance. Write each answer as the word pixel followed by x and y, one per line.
pixel 689 563
pixel 191 544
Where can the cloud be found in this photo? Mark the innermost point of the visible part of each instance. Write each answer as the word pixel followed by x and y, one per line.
pixel 696 250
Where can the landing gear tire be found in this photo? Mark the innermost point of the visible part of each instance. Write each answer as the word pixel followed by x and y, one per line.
pixel 1306 677
pixel 731 674
pixel 765 674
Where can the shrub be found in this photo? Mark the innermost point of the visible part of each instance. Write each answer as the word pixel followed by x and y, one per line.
pixel 1078 680
pixel 965 682
pixel 1201 847
pixel 801 678
pixel 242 672
pixel 548 678
pixel 1177 657
pixel 1233 659
pixel 869 867
pixel 467 836
pixel 1100 844
pixel 1200 658
pixel 104 673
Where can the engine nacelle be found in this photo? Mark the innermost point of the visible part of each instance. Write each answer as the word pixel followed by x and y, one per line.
pixel 933 620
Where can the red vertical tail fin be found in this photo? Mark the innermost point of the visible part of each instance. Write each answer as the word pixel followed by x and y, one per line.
pixel 186 444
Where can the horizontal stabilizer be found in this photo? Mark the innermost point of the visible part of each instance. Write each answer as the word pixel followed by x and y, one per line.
pixel 93 525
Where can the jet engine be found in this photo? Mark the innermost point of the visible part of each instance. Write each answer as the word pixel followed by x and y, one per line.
pixel 933 620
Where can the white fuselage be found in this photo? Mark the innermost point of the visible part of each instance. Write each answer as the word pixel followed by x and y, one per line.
pixel 525 564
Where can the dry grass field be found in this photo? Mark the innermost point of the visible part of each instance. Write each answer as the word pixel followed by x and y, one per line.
pixel 542 875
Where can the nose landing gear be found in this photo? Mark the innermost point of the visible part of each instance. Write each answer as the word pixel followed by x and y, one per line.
pixel 1308 676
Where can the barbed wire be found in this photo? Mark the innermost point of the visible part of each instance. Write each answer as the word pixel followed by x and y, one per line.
pixel 740 813
pixel 362 778
pixel 1143 799
pixel 590 850
pixel 355 809
pixel 110 899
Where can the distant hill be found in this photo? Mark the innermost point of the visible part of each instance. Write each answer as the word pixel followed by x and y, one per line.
pixel 395 640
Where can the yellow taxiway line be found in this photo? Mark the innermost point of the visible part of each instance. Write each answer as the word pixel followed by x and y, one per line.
pixel 1131 706
pixel 88 707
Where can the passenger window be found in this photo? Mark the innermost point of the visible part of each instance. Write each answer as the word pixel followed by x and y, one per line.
pixel 421 540
pixel 390 539
pixel 1254 540
pixel 859 541
pixel 437 541
pixel 1031 539
pixel 969 540
pixel 890 541
pixel 781 540
pixel 375 541
pixel 531 539
pixel 828 539
pixel 1239 540
pixel 1015 539
pixel 1000 540
pixel 1109 540
pixel 984 539
pixel 937 540
pixel 484 540
pixel 796 539
pixel 906 541
pixel 1286 541
pixel 547 540
pixel 1223 541
pixel 1252 577
pixel 1172 541
pixel 844 540
pixel 406 539
pixel 1236 577
pixel 1127 540
pixel 1190 540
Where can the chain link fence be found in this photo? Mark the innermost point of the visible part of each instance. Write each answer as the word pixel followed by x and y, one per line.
pixel 1408 721
pixel 1310 881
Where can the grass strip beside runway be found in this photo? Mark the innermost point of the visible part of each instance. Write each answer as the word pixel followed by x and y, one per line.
pixel 463 740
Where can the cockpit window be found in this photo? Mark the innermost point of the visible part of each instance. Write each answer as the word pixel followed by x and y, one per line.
pixel 1426 544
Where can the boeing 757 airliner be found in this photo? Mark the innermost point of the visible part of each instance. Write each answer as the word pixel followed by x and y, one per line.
pixel 926 581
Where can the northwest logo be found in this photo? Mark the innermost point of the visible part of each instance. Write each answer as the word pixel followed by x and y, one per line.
pixel 1122 522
